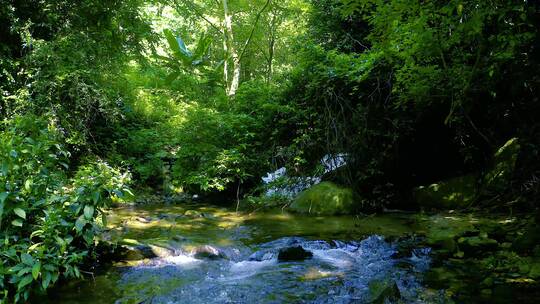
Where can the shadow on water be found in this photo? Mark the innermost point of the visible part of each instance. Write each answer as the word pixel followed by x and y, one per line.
pixel 351 257
pixel 183 279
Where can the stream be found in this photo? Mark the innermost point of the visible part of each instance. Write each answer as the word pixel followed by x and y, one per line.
pixel 348 259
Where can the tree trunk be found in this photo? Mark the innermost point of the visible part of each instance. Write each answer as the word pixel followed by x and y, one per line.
pixel 229 47
pixel 271 46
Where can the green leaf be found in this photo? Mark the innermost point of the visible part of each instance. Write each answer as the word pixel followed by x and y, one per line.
pixel 95 197
pixel 171 77
pixel 27 259
pixel 4 169
pixel 3 196
pixel 202 47
pixel 17 223
pixel 33 247
pixel 28 185
pixel 25 281
pixel 178 47
pixel 46 280
pixel 21 213
pixel 173 44
pixel 36 269
pixel 88 212
pixel 79 223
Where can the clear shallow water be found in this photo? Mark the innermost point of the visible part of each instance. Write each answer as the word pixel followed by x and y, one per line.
pixel 349 255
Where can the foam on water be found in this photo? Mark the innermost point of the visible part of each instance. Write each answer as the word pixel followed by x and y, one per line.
pixel 338 272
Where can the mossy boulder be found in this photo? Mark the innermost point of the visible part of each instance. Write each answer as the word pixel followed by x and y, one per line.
pixel 325 198
pixel 498 178
pixel 458 192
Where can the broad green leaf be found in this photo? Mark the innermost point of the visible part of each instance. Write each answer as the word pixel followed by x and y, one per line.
pixel 180 53
pixel 28 184
pixel 25 281
pixel 79 223
pixel 21 213
pixel 46 280
pixel 88 212
pixel 17 223
pixel 4 169
pixel 36 269
pixel 202 47
pixel 173 44
pixel 95 197
pixel 27 259
pixel 3 196
pixel 24 271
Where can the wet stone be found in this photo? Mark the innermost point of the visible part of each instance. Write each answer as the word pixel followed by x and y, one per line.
pixel 296 253
pixel 207 252
pixel 139 252
pixel 143 219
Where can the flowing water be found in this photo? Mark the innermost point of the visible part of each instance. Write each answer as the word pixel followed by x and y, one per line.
pixel 351 259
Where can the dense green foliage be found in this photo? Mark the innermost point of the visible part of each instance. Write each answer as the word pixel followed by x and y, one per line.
pixel 205 97
pixel 418 92
pixel 49 220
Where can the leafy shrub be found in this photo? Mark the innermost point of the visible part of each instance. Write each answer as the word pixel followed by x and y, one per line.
pixel 48 221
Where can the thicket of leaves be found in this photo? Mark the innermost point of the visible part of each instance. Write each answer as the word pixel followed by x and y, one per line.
pixel 416 92
pixel 49 221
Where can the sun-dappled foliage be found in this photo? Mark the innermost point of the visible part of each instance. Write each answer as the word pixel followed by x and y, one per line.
pixel 205 97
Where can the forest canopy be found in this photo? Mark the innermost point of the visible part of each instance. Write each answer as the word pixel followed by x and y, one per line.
pixel 101 101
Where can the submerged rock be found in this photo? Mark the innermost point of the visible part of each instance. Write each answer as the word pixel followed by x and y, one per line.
pixel 325 198
pixel 207 252
pixel 296 253
pixel 384 292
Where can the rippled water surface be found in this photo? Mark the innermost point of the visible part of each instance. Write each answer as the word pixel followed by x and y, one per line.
pixel 349 257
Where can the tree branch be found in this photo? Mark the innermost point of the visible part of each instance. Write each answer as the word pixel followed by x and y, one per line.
pixel 253 29
pixel 198 13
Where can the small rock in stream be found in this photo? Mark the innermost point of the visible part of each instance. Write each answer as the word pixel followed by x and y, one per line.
pixel 139 252
pixel 143 219
pixel 296 253
pixel 207 252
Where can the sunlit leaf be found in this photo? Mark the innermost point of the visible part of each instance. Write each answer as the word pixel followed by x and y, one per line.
pixel 88 212
pixel 36 269
pixel 21 213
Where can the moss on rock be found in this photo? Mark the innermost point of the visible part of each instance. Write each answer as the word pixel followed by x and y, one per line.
pixel 458 192
pixel 325 198
pixel 498 178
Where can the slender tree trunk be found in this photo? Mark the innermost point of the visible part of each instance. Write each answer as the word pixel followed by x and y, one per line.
pixel 271 46
pixel 230 48
pixel 226 62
